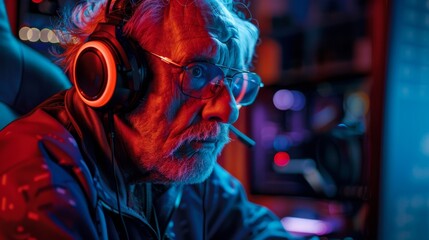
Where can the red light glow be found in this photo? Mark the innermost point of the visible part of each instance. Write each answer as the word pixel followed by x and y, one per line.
pixel 281 159
pixel 37 1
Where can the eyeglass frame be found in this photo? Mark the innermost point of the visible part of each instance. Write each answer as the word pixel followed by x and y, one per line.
pixel 170 61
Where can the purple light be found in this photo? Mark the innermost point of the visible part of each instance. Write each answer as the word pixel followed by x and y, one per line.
pixel 268 132
pixel 306 226
pixel 283 99
pixel 298 101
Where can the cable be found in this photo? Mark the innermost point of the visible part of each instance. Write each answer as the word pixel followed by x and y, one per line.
pixel 114 164
pixel 107 10
pixel 112 144
pixel 204 209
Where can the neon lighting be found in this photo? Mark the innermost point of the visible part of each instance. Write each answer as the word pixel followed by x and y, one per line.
pixel 281 143
pixel 111 74
pixel 281 159
pixel 52 37
pixel 306 226
pixel 61 190
pixel 37 1
pixel 44 33
pixel 23 33
pixel 33 34
pixel 298 101
pixel 283 99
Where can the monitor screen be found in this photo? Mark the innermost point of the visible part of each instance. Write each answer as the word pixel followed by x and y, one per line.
pixel 402 196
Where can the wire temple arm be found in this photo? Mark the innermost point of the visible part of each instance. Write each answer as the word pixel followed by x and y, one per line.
pixel 242 137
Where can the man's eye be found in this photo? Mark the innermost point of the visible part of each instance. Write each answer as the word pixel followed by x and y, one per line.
pixel 197 71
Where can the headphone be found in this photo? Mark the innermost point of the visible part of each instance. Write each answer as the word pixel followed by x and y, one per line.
pixel 108 70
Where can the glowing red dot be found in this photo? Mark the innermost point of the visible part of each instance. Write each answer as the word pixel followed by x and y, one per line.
pixel 37 1
pixel 281 159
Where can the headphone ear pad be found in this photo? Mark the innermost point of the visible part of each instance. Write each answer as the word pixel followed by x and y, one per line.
pixel 94 73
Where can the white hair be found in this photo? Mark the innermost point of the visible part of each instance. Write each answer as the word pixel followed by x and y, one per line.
pixel 81 21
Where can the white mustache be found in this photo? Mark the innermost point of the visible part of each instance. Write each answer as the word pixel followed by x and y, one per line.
pixel 205 132
pixel 208 131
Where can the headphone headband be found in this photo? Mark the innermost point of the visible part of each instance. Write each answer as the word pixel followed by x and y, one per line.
pixel 120 11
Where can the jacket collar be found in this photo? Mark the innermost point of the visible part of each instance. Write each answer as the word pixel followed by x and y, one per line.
pixel 91 128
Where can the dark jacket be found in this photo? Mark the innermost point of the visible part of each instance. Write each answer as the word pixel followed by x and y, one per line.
pixel 57 181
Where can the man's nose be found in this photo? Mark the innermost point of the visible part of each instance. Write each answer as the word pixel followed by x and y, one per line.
pixel 221 108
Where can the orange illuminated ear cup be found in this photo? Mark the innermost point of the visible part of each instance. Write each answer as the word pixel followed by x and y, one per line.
pixel 94 74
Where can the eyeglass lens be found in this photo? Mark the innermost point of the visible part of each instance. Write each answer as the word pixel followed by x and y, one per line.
pixel 204 80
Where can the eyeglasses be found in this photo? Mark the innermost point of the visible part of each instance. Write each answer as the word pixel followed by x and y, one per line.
pixel 203 80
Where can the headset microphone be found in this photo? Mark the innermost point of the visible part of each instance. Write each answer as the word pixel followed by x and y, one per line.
pixel 242 137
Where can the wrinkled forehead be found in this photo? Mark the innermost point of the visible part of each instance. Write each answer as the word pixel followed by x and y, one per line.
pixel 194 17
pixel 207 28
pixel 202 29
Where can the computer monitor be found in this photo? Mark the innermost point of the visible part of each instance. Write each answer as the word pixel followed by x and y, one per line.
pixel 399 126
